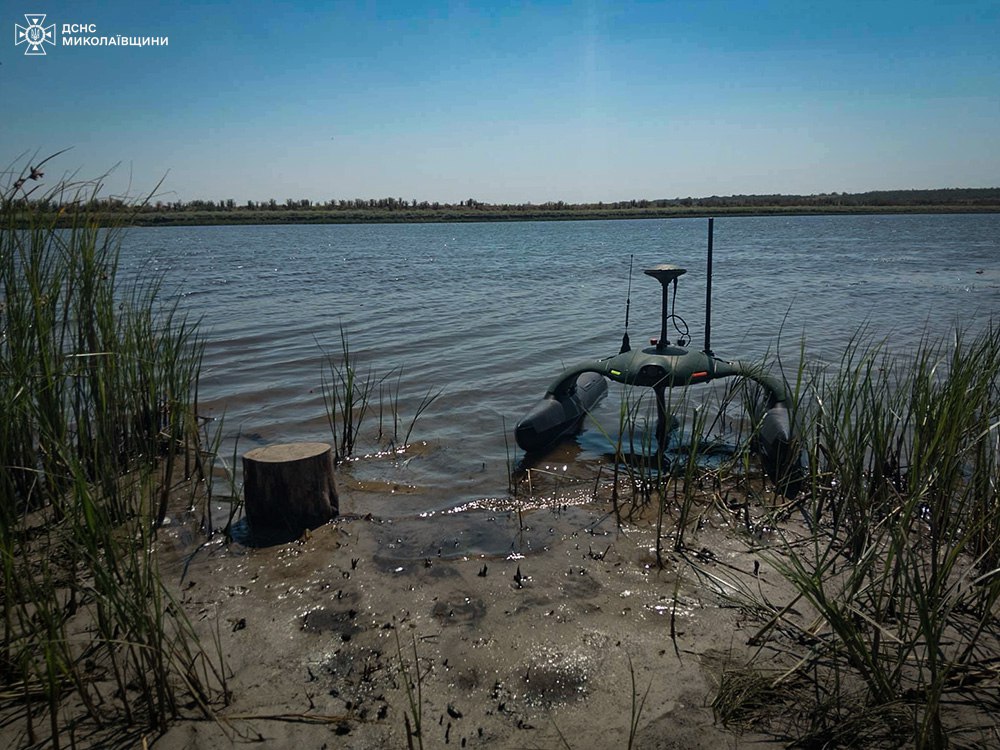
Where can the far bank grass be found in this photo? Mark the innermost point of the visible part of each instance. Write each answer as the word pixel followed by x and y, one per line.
pixel 461 214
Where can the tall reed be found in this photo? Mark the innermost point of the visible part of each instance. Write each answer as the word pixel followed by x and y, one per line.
pixel 97 383
pixel 696 450
pixel 900 563
pixel 348 393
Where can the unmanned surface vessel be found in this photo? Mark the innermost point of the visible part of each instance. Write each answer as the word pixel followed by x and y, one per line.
pixel 660 366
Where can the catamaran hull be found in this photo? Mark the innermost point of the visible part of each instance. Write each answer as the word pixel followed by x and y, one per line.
pixel 553 418
pixel 780 453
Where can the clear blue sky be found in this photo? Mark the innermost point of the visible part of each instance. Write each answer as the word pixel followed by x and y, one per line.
pixel 513 102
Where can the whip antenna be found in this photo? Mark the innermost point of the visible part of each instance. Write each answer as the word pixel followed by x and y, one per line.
pixel 626 346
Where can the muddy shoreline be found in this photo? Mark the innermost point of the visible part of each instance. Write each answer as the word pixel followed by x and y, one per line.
pixel 572 637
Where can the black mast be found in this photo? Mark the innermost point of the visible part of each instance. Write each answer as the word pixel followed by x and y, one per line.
pixel 708 293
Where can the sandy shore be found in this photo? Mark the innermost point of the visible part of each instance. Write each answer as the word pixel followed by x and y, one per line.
pixel 526 632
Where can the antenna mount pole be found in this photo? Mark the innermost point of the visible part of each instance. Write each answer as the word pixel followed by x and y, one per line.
pixel 665 275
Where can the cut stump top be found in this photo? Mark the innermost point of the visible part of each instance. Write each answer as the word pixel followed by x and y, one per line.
pixel 287 452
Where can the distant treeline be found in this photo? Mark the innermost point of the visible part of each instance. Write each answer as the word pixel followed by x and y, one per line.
pixel 292 211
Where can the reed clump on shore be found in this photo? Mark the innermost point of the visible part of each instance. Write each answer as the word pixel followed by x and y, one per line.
pixel 893 550
pixel 349 398
pixel 891 635
pixel 98 385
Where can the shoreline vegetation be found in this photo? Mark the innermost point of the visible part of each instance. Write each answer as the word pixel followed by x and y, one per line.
pixel 863 613
pixel 156 212
pixel 99 437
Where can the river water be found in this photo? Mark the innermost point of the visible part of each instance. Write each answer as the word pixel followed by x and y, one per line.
pixel 490 313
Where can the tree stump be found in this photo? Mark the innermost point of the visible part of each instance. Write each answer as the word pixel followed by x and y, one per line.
pixel 289 488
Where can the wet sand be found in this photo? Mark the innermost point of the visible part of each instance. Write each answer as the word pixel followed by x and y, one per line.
pixel 534 646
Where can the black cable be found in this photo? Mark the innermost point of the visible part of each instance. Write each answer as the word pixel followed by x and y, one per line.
pixel 674 318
